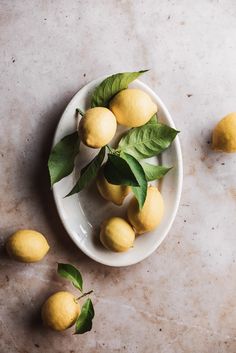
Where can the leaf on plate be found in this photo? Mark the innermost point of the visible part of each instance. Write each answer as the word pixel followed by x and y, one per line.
pixel 153 120
pixel 154 172
pixel 140 191
pixel 89 172
pixel 147 141
pixel 111 86
pixel 70 272
pixel 62 156
pixel 117 171
pixel 84 322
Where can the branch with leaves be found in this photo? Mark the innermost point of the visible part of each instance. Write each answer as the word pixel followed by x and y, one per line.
pixel 84 320
pixel 124 165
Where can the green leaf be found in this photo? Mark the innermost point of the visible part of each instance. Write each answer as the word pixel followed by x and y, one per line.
pixel 154 172
pixel 70 272
pixel 140 191
pixel 62 156
pixel 147 141
pixel 111 86
pixel 153 120
pixel 117 171
pixel 89 172
pixel 84 321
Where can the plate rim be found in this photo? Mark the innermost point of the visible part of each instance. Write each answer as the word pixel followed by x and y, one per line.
pixel 179 179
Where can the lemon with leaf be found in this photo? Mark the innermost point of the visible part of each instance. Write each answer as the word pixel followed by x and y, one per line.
pixel 150 215
pixel 60 311
pixel 111 192
pixel 132 107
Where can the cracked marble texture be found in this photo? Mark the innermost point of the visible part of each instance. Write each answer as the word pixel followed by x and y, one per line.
pixel 182 299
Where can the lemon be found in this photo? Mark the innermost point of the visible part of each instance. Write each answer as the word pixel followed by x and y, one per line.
pixel 60 311
pixel 27 246
pixel 132 107
pixel 224 134
pixel 97 127
pixel 117 234
pixel 150 216
pixel 111 192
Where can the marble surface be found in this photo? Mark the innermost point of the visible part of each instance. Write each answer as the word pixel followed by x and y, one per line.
pixel 183 297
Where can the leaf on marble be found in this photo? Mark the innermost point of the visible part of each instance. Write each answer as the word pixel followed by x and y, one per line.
pixel 71 273
pixel 111 86
pixel 84 322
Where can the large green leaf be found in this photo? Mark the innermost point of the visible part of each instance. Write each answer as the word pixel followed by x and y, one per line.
pixel 84 321
pixel 62 156
pixel 117 171
pixel 154 172
pixel 140 191
pixel 147 141
pixel 72 274
pixel 111 86
pixel 89 172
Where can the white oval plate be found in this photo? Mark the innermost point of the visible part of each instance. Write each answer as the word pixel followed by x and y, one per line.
pixel 83 213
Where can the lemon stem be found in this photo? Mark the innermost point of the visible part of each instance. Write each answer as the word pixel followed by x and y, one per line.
pixel 84 295
pixel 79 111
pixel 109 148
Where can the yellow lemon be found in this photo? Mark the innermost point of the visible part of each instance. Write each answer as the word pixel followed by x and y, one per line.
pixel 97 127
pixel 224 134
pixel 150 216
pixel 132 107
pixel 117 234
pixel 60 311
pixel 111 192
pixel 27 246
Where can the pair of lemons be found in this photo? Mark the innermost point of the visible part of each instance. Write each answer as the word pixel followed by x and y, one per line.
pixel 118 235
pixel 61 309
pixel 129 107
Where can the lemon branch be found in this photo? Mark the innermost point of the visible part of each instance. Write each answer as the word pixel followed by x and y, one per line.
pixel 84 295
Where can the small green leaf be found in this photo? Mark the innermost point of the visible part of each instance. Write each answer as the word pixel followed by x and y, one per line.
pixel 84 321
pixel 117 171
pixel 62 156
pixel 153 120
pixel 154 172
pixel 140 191
pixel 147 141
pixel 111 86
pixel 70 272
pixel 89 172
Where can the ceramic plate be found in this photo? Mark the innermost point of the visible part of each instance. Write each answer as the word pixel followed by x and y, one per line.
pixel 83 213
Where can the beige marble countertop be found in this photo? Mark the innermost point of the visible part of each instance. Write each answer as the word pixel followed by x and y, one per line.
pixel 183 297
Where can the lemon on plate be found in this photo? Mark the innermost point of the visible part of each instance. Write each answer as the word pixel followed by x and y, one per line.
pixel 60 311
pixel 117 234
pixel 132 107
pixel 111 192
pixel 224 134
pixel 150 216
pixel 27 246
pixel 97 127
